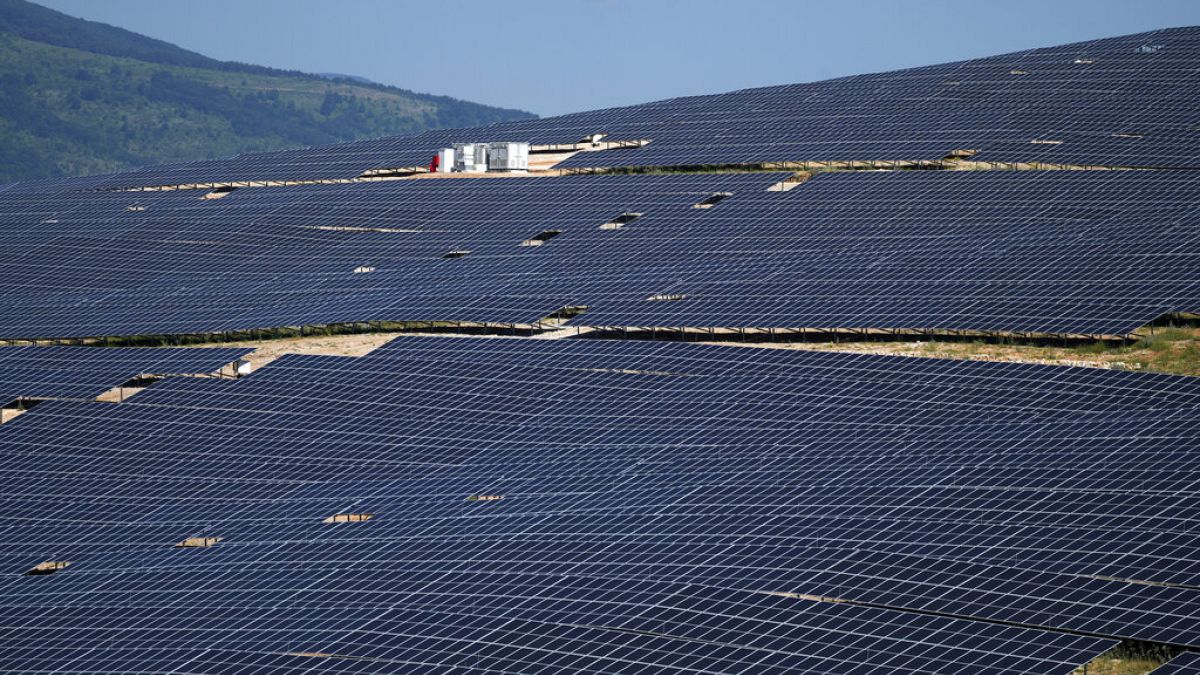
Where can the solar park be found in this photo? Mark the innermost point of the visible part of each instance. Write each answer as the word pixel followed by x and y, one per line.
pixel 556 465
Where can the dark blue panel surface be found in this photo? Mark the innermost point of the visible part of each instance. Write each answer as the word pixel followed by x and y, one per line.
pixel 85 372
pixel 664 505
pixel 1184 664
pixel 1055 252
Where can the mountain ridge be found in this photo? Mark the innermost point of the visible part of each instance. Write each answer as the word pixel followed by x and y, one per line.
pixel 79 97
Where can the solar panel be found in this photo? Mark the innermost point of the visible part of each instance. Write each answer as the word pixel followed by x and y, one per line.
pixel 567 625
pixel 257 466
pixel 1123 101
pixel 85 373
pixel 591 505
pixel 1184 664
pixel 583 479
pixel 1061 252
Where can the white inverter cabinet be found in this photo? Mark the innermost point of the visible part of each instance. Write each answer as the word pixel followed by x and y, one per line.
pixel 470 157
pixel 506 156
pixel 445 160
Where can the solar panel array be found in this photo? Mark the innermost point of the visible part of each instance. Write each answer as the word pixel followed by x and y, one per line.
pixel 67 372
pixel 1124 101
pixel 85 265
pixel 1117 101
pixel 518 505
pixel 513 505
pixel 1186 663
pixel 1085 252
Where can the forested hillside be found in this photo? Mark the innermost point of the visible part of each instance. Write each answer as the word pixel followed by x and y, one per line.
pixel 79 97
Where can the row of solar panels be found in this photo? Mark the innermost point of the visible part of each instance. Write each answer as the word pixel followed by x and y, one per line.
pixel 1058 252
pixel 473 505
pixel 1124 101
pixel 63 372
pixel 516 505
pixel 1187 663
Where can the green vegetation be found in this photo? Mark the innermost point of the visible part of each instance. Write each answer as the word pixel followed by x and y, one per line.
pixel 1172 349
pixel 1130 657
pixel 78 97
pixel 1166 350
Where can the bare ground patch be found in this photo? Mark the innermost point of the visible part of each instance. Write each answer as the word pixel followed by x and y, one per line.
pixel 1168 350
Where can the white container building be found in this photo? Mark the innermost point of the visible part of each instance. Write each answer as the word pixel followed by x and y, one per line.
pixel 470 157
pixel 505 156
pixel 445 160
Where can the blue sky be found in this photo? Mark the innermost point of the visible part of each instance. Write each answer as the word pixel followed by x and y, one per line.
pixel 558 56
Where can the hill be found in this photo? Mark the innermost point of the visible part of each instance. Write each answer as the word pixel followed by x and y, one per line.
pixel 558 476
pixel 79 97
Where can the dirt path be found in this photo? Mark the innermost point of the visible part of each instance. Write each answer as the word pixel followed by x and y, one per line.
pixel 1170 350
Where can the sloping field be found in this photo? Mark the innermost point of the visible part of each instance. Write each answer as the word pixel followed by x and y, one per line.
pixel 1125 101
pixel 1014 253
pixel 616 499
